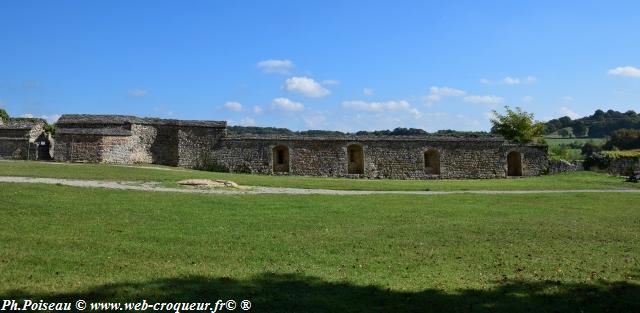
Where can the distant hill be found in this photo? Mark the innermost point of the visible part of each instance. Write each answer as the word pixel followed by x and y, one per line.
pixel 600 124
pixel 243 130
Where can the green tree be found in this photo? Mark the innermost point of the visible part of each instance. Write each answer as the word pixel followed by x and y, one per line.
pixel 624 139
pixel 589 148
pixel 50 128
pixel 564 133
pixel 579 129
pixel 516 125
pixel 4 116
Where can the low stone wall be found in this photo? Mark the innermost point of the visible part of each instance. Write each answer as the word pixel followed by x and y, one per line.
pixel 561 166
pixel 396 158
pixel 622 165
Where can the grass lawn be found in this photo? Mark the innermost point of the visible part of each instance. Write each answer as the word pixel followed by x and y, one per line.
pixel 169 176
pixel 383 253
pixel 558 141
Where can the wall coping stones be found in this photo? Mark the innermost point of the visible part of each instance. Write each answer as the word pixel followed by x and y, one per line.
pixel 94 131
pixel 362 138
pixel 96 119
pixel 381 138
pixel 22 123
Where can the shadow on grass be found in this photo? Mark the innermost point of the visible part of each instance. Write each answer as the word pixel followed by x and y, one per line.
pixel 294 293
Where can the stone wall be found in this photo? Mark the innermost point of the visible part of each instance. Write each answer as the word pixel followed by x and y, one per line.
pixel 562 166
pixel 624 166
pixel 71 148
pixel 205 145
pixel 167 144
pixel 396 158
pixel 193 144
pixel 23 144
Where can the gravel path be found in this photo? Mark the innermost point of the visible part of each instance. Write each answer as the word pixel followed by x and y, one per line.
pixel 155 187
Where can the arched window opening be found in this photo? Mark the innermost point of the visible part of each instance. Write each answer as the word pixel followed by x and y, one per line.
pixel 514 164
pixel 280 159
pixel 356 159
pixel 432 162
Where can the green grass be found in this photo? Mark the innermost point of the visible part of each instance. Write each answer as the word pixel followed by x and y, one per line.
pixel 385 253
pixel 558 141
pixel 169 176
pixel 622 154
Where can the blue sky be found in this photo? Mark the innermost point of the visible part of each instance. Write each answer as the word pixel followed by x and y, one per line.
pixel 342 65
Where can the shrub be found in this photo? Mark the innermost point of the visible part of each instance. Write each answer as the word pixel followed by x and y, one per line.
pixel 624 139
pixel 590 148
pixel 516 125
pixel 4 116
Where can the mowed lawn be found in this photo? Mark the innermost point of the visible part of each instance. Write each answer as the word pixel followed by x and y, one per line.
pixel 385 253
pixel 169 176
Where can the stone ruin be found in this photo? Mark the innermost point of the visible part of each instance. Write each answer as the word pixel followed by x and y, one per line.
pixel 206 145
pixel 24 139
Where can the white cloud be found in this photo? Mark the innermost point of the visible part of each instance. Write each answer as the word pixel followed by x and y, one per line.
pixel 330 82
pixel 368 92
pixel 568 98
pixel 248 121
pixel 376 106
pixel 510 81
pixel 568 112
pixel 137 93
pixel 438 93
pixel 314 120
pixel 276 66
pixel 257 109
pixel 233 106
pixel 527 99
pixel 629 71
pixel 163 110
pixel 484 99
pixel 287 105
pixel 305 86
pixel 396 110
pixel 50 118
pixel 416 114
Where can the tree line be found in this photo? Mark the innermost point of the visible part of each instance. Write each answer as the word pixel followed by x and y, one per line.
pixel 600 124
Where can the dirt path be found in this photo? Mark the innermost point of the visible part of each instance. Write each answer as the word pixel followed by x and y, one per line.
pixel 272 190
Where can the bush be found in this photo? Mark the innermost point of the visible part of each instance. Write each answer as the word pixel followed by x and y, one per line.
pixel 624 139
pixel 516 125
pixel 590 148
pixel 50 128
pixel 4 116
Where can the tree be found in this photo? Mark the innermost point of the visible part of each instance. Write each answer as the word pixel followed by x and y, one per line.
pixel 624 139
pixel 50 128
pixel 564 133
pixel 4 116
pixel 516 125
pixel 579 129
pixel 590 148
pixel 565 121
